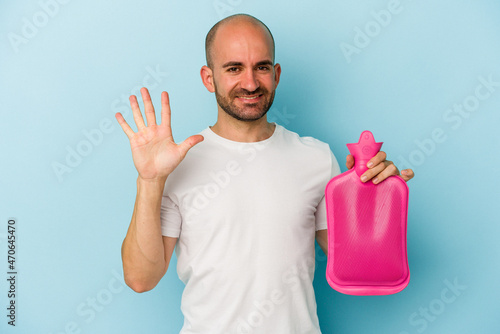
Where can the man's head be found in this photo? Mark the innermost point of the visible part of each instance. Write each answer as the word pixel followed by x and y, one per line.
pixel 209 40
pixel 241 69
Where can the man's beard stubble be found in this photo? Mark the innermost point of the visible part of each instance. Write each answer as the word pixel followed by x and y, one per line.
pixel 236 112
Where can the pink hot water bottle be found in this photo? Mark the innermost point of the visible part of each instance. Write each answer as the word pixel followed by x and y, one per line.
pixel 366 228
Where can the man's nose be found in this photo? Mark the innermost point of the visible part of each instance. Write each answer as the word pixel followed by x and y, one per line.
pixel 249 81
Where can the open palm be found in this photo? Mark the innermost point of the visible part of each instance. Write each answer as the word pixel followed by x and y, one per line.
pixel 154 151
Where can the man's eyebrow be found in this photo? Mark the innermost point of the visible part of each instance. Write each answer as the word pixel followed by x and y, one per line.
pixel 237 63
pixel 265 62
pixel 231 64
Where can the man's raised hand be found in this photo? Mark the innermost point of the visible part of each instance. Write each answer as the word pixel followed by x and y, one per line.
pixel 154 151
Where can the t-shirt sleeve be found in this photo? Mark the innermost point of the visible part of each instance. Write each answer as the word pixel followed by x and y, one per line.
pixel 320 215
pixel 170 217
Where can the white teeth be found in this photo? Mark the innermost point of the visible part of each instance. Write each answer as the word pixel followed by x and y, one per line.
pixel 249 98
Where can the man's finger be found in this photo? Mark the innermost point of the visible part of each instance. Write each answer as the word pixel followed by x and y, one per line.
pixel 149 110
pixel 389 170
pixel 372 172
pixel 139 121
pixel 407 174
pixel 349 161
pixel 125 127
pixel 378 158
pixel 165 110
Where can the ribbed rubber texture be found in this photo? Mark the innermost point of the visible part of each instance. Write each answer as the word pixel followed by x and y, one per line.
pixel 367 235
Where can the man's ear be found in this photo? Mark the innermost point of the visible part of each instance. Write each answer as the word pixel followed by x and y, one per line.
pixel 277 74
pixel 208 78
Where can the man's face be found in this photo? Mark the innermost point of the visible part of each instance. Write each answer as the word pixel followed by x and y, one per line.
pixel 245 78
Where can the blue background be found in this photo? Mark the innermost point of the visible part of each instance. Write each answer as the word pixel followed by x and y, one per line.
pixel 66 69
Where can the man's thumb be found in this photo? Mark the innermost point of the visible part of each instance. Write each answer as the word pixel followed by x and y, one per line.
pixel 349 161
pixel 187 144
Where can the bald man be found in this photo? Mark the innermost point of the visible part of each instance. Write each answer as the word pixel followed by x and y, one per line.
pixel 243 208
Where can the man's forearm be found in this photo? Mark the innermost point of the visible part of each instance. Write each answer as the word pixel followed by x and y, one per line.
pixel 322 239
pixel 143 252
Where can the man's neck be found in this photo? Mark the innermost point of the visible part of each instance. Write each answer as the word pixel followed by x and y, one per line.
pixel 240 131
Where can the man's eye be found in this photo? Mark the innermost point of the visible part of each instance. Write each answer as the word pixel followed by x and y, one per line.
pixel 232 69
pixel 263 68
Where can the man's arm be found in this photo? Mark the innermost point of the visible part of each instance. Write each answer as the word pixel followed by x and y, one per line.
pixel 145 252
pixel 322 239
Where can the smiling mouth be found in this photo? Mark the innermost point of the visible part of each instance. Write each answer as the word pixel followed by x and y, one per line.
pixel 250 98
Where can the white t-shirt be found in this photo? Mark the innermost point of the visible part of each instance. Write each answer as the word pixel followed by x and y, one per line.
pixel 246 215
